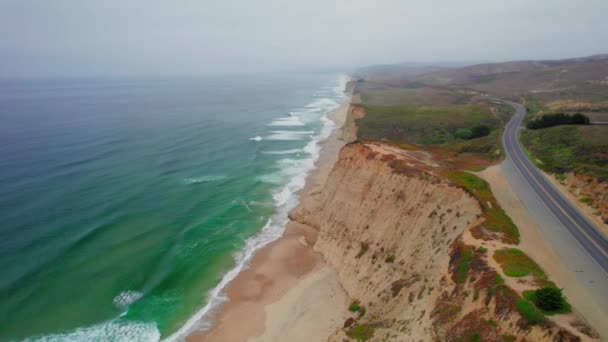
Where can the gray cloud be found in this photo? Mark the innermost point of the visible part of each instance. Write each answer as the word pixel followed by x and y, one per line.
pixel 80 37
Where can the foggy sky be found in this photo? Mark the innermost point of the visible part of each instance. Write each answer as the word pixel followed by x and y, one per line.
pixel 132 37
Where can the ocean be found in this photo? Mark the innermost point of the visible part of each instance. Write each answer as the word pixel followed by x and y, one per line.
pixel 128 204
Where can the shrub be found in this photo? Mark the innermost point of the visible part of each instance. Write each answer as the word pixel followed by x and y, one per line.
pixel 479 131
pixel 549 298
pixel 529 312
pixel 466 256
pixel 361 332
pixel 354 307
pixel 390 259
pixel 463 133
pixel 550 120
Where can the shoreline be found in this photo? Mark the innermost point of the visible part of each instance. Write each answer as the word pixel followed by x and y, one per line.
pixel 283 275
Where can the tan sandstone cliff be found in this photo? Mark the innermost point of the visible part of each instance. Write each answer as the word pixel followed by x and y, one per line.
pixel 393 228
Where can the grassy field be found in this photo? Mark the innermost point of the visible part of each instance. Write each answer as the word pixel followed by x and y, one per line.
pixel 516 263
pixel 423 96
pixel 487 145
pixel 580 149
pixel 496 218
pixel 427 125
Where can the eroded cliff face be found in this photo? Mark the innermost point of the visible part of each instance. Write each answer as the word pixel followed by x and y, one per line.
pixel 387 227
pixel 392 228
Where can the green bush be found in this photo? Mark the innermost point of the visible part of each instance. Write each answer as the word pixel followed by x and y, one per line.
pixel 354 307
pixel 550 120
pixel 463 133
pixel 479 131
pixel 549 298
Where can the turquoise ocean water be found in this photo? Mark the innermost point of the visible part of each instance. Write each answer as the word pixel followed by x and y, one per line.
pixel 127 204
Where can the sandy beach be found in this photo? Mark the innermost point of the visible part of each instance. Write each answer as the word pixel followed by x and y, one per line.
pixel 288 291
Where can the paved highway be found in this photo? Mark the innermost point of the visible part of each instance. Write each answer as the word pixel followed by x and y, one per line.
pixel 587 235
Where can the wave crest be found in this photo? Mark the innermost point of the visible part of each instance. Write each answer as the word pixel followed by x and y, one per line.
pixel 203 179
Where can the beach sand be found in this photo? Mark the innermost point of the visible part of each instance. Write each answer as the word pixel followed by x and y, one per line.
pixel 288 293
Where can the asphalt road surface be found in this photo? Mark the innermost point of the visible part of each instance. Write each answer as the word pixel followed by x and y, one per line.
pixel 585 232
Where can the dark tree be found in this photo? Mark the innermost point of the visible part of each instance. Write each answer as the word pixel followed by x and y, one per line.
pixel 550 120
pixel 549 298
pixel 580 119
pixel 479 131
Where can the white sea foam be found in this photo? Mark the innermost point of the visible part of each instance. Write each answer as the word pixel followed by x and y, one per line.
pixel 322 104
pixel 284 198
pixel 289 135
pixel 115 330
pixel 271 178
pixel 287 121
pixel 257 138
pixel 292 151
pixel 126 298
pixel 203 179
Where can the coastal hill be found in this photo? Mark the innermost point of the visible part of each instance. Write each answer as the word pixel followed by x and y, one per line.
pixel 576 78
pixel 577 160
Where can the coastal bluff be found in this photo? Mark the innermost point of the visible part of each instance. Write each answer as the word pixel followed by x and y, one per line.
pixel 397 234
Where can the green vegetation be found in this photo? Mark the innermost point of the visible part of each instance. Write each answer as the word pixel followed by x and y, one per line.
pixel 496 218
pixel 498 280
pixel 462 268
pixel 516 263
pixel 472 184
pixel 549 300
pixel 361 332
pixel 373 93
pixel 550 120
pixel 469 337
pixel 479 131
pixel 529 312
pixel 579 149
pixel 476 168
pixel 533 108
pixel 463 133
pixel 432 125
pixel 489 144
pixel 354 307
